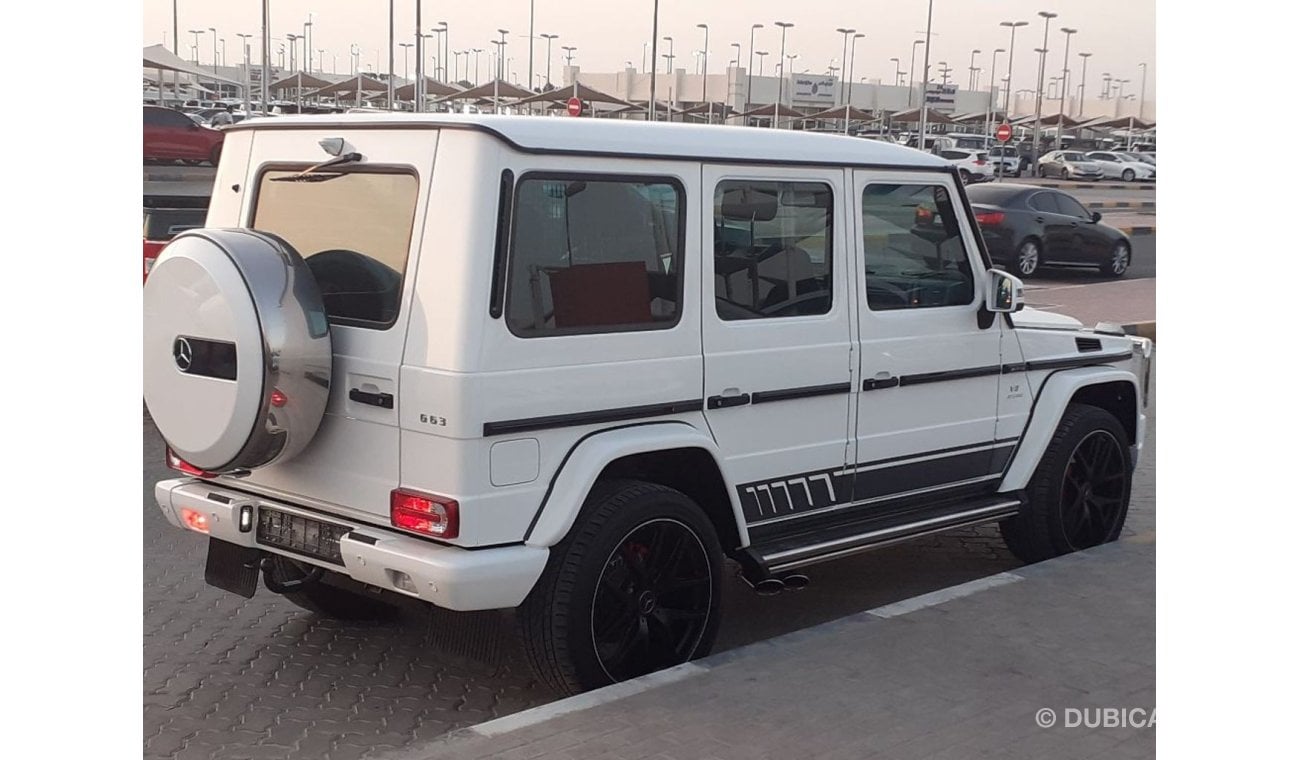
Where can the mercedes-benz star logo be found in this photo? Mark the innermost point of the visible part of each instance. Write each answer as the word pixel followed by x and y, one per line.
pixel 183 353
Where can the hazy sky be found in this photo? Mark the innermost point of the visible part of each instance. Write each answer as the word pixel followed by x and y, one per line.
pixel 1119 33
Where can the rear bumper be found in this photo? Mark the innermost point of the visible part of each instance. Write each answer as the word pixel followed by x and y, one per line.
pixel 446 576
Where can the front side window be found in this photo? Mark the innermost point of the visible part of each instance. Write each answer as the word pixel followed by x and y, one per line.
pixel 591 254
pixel 913 250
pixel 771 249
pixel 1071 207
pixel 354 230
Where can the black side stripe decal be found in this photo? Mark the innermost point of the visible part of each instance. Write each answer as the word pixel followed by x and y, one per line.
pixel 806 391
pixel 592 418
pixel 1067 363
pixel 951 374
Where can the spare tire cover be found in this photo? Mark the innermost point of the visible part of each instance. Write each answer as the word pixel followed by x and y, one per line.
pixel 236 349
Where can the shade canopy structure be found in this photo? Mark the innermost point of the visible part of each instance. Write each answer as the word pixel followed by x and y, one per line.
pixel 432 89
pixel 703 109
pixel 300 81
pixel 1048 120
pixel 978 117
pixel 1118 122
pixel 843 113
pixel 496 89
pixel 160 58
pixel 351 85
pixel 769 111
pixel 579 90
pixel 913 116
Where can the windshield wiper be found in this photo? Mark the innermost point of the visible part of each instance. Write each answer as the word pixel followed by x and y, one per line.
pixel 309 174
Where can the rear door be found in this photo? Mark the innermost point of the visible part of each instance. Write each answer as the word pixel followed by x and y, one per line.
pixel 360 228
pixel 777 336
pixel 1088 237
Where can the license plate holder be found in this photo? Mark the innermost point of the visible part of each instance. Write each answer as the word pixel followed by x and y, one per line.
pixel 304 536
pixel 232 567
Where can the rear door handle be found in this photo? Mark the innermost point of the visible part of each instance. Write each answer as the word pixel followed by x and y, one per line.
pixel 722 402
pixel 384 400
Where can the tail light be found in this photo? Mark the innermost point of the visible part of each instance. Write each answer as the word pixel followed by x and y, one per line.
pixel 430 515
pixel 151 250
pixel 990 218
pixel 180 465
pixel 924 216
pixel 979 162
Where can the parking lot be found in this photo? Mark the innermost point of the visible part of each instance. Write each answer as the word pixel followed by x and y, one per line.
pixel 232 678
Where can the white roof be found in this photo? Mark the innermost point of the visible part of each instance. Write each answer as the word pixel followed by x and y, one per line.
pixel 660 139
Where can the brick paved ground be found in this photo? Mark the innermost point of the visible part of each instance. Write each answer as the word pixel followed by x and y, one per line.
pixel 964 679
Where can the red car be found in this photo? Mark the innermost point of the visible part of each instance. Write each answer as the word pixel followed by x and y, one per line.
pixel 170 135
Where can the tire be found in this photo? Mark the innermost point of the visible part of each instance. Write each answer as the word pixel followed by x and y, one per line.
pixel 1128 176
pixel 965 176
pixel 601 582
pixel 215 156
pixel 1047 525
pixel 1029 256
pixel 1042 172
pixel 1121 257
pixel 330 601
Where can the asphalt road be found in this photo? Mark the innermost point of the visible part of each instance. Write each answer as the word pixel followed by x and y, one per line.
pixel 1142 266
pixel 232 678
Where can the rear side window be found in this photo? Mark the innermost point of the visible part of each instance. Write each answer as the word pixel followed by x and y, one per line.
pixel 913 249
pixel 354 230
pixel 771 249
pixel 1044 202
pixel 591 253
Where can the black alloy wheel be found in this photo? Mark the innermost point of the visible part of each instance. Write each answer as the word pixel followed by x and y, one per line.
pixel 1094 491
pixel 652 600
pixel 1121 256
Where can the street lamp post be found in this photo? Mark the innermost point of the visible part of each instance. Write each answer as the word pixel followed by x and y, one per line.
pixel 704 81
pixel 911 71
pixel 925 74
pixel 266 57
pixel 532 15
pixel 1011 60
pixel 568 54
pixel 780 83
pixel 196 33
pixel 993 84
pixel 845 59
pixel 293 48
pixel 1142 103
pixel 214 48
pixel 973 53
pixel 476 52
pixel 749 72
pixel 944 71
pixel 853 58
pixel 1065 88
pixel 248 79
pixel 406 59
pixel 306 39
pixel 445 31
pixel 549 38
pixel 762 54
pixel 418 95
pixel 670 55
pixel 1047 17
pixel 654 56
pixel 392 38
pixel 1083 81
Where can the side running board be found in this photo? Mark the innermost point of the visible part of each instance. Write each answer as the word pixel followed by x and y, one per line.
pixel 781 554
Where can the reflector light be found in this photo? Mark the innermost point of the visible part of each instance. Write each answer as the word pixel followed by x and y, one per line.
pixel 278 398
pixel 194 520
pixel 176 463
pixel 424 513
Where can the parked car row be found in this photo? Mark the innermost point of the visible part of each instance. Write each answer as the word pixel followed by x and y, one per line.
pixel 1097 164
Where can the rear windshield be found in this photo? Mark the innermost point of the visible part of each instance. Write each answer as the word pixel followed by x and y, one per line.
pixel 353 228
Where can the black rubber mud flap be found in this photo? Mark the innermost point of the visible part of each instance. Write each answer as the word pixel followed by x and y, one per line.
pixel 232 567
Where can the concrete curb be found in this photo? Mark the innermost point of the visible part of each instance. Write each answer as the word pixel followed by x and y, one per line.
pixel 1093 186
pixel 1142 329
pixel 1121 204
pixel 760 649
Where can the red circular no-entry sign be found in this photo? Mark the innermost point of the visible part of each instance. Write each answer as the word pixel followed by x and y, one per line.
pixel 1003 134
pixel 575 106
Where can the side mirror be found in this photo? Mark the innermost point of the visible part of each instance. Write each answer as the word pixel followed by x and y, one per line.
pixel 1004 294
pixel 1096 216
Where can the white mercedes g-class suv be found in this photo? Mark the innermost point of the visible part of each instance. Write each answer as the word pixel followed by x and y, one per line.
pixel 570 365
